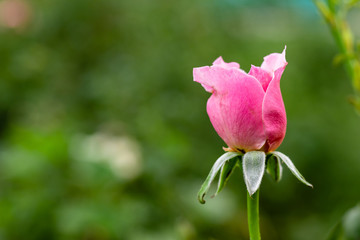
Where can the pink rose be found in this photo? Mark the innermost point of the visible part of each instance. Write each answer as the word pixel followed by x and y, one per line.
pixel 246 109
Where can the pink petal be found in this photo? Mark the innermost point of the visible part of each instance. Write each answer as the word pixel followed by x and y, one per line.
pixel 235 109
pixel 203 76
pixel 274 61
pixel 263 76
pixel 211 79
pixel 220 62
pixel 274 115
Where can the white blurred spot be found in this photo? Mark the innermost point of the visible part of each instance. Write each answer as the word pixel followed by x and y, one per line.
pixel 121 153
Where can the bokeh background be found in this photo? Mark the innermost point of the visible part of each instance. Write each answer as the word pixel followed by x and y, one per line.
pixel 104 134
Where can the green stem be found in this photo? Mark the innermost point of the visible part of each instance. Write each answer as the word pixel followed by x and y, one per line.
pixel 335 15
pixel 253 216
pixel 343 38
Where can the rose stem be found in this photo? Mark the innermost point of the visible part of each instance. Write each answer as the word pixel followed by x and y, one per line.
pixel 253 215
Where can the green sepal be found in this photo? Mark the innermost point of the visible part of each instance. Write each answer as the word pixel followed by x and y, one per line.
pixel 254 169
pixel 226 170
pixel 273 167
pixel 213 172
pixel 292 167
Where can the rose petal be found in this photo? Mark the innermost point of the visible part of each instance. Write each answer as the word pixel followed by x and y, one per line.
pixel 235 109
pixel 203 76
pixel 263 76
pixel 274 61
pixel 274 115
pixel 220 62
pixel 211 79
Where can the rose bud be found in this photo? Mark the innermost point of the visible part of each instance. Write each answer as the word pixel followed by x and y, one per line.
pixel 246 109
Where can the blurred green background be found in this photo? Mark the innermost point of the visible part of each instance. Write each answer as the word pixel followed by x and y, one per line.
pixel 104 134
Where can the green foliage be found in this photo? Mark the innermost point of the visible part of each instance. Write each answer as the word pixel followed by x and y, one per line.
pixel 335 13
pixel 349 227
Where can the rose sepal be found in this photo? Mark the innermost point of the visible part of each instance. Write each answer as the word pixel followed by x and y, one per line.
pixel 220 164
pixel 254 164
pixel 253 167
pixel 226 170
pixel 291 166
pixel 273 167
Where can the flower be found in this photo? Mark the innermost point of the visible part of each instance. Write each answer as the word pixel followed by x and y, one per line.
pixel 246 109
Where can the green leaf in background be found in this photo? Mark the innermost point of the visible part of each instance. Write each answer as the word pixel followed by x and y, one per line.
pixel 274 168
pixel 253 167
pixel 226 171
pixel 292 167
pixel 337 233
pixel 349 227
pixel 213 172
pixel 351 223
